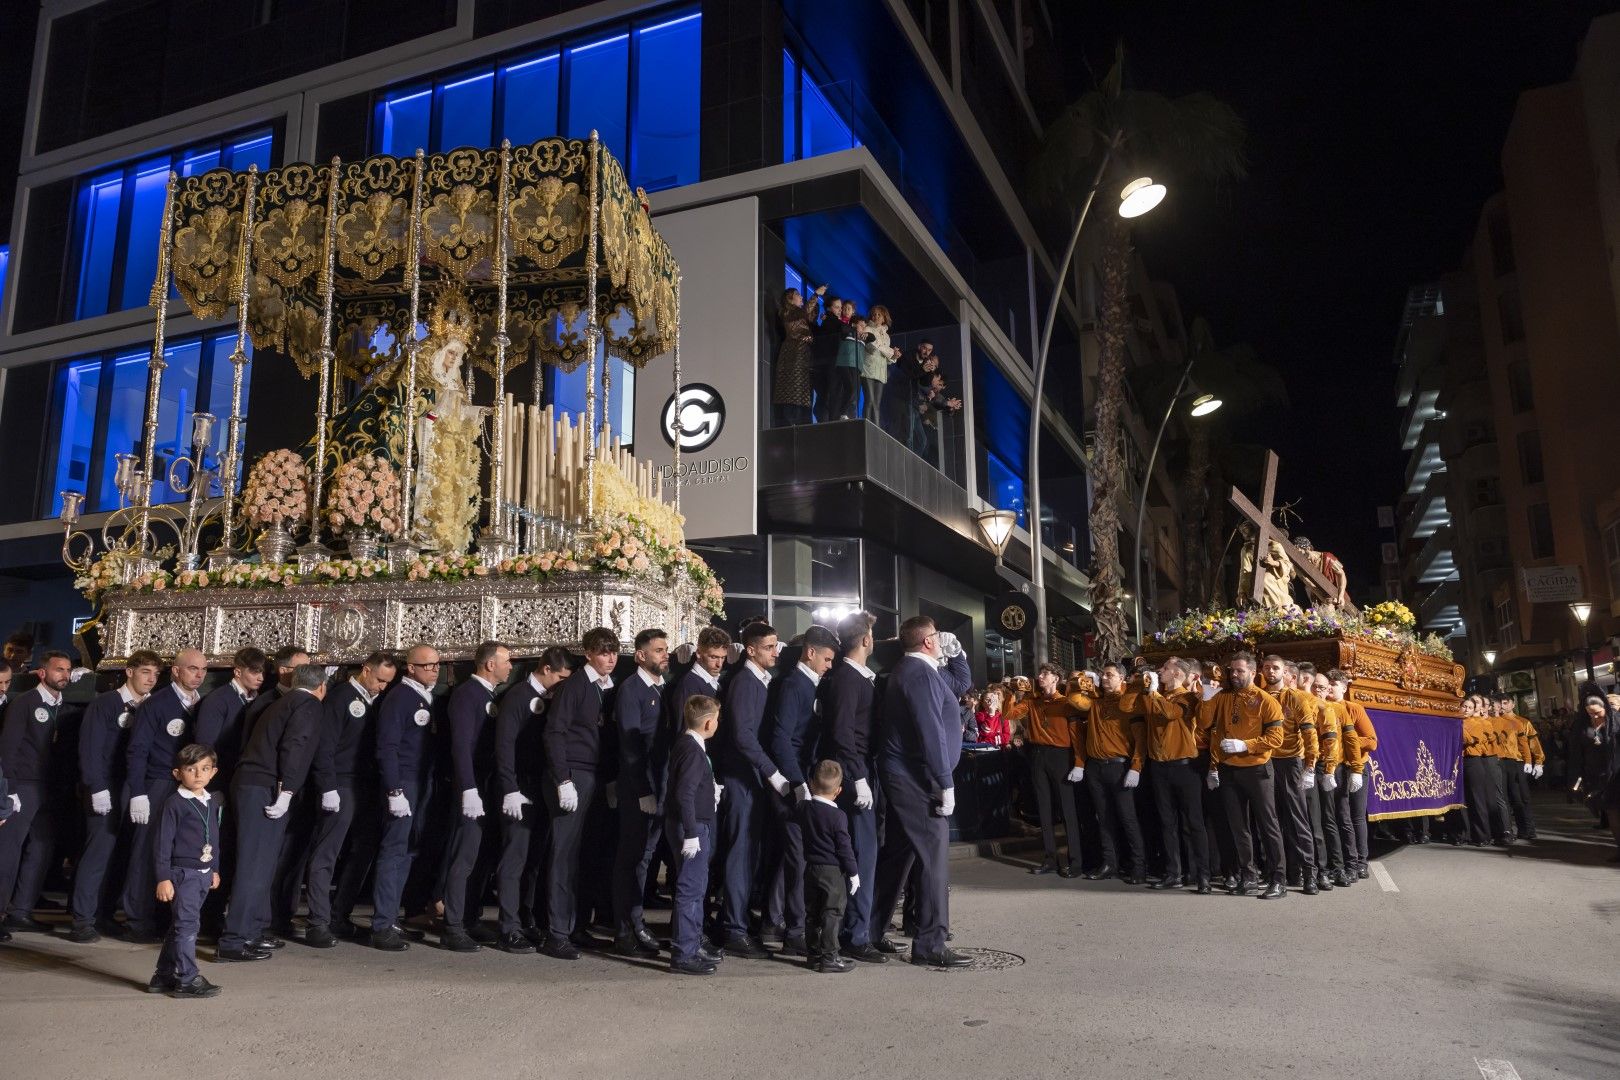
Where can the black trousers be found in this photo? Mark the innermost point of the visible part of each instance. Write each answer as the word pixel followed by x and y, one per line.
pixel 1249 787
pixel 326 844
pixel 742 828
pixel 562 857
pixel 914 833
pixel 258 842
pixel 142 912
pixel 365 835
pixel 398 842
pixel 523 843
pixel 99 875
pixel 1517 787
pixel 1358 820
pixel 26 844
pixel 638 839
pixel 784 866
pixel 826 892
pixel 1049 774
pixel 1222 851
pixel 1116 810
pixel 293 859
pixel 1482 778
pixel 846 383
pixel 1324 827
pixel 1178 794
pixel 1294 818
pixel 466 839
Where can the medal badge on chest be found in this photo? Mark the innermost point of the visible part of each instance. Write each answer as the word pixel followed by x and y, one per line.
pixel 207 853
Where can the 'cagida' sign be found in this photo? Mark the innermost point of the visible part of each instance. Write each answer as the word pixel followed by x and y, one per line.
pixel 1552 584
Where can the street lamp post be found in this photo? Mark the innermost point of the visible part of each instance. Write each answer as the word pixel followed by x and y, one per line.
pixel 1582 610
pixel 1136 198
pixel 1490 662
pixel 1203 405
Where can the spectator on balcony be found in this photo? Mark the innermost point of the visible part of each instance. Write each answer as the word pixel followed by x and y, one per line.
pixel 875 363
pixel 793 390
pixel 846 375
pixel 829 331
pixel 934 401
pixel 909 378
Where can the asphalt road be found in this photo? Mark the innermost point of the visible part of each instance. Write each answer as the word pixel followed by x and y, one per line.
pixel 1480 963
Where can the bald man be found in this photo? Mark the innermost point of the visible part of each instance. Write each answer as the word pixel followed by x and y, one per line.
pixel 160 726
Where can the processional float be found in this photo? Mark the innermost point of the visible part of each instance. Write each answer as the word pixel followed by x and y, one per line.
pixel 388 280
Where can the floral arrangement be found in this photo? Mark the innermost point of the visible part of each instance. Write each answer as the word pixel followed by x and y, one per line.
pixel 365 495
pixel 618 501
pixel 1394 625
pixel 627 545
pixel 348 570
pixel 446 568
pixel 277 489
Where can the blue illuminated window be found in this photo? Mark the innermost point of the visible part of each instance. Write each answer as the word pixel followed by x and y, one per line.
pixel 1001 425
pixel 811 123
pixel 5 265
pixel 566 391
pixel 638 87
pixel 100 408
pixel 120 213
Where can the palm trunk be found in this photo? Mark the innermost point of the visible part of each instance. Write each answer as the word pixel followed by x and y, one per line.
pixel 1107 595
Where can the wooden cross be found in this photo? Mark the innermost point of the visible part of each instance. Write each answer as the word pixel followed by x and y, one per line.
pixel 1266 531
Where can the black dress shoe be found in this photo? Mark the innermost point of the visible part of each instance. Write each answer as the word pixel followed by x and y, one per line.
pixel 389 940
pixel 696 966
pixel 83 935
pixel 320 937
pixel 1046 866
pixel 1361 871
pixel 1323 882
pixel 833 964
pixel 1102 873
pixel 1309 888
pixel 707 945
pixel 771 934
pixel 866 954
pixel 744 946
pixel 1273 891
pixel 160 984
pixel 1229 882
pixel 648 943
pixel 1067 870
pixel 1242 887
pixel 515 943
pixel 536 936
pixel 1203 887
pixel 483 934
pixel 343 929
pixel 1133 879
pixel 886 947
pixel 582 939
pixel 26 924
pixel 460 943
pixel 794 945
pixel 198 987
pixel 1169 881
pixel 268 944
pixel 560 948
pixel 947 958
pixel 710 956
pixel 240 956
pixel 632 945
pixel 1341 879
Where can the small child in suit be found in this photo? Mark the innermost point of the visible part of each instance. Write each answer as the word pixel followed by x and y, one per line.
pixel 689 827
pixel 185 861
pixel 829 860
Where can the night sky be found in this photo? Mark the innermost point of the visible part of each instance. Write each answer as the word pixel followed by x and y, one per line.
pixel 1375 135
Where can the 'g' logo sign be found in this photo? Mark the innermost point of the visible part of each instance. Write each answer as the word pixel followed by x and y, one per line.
pixel 694 417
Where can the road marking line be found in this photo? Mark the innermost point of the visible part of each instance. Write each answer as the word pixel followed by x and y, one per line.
pixel 1381 876
pixel 1493 1069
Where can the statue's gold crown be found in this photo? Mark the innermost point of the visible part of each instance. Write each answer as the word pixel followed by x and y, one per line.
pixel 450 318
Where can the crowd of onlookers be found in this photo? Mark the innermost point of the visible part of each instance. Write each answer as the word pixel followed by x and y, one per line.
pixel 835 363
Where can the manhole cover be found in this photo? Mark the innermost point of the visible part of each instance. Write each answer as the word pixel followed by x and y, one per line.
pixel 990 959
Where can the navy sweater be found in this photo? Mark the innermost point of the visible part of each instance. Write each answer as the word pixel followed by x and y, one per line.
pixel 642 754
pixel 28 738
pixel 519 750
pixel 403 750
pixel 221 724
pixel 826 836
pixel 691 787
pixel 282 744
pixel 103 739
pixel 573 733
pixel 347 746
pixel 472 736
pixel 738 753
pixel 184 827
pixel 162 724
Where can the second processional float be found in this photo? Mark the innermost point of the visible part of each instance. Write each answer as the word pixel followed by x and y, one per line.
pixel 420 508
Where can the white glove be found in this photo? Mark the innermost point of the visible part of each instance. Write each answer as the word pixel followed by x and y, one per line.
pixel 1537 774
pixel 512 805
pixel 399 806
pixel 684 653
pixel 1234 746
pixel 1310 779
pixel 611 794
pixel 1213 780
pixel 16 803
pixel 278 808
pixel 863 794
pixel 780 645
pixel 567 797
pixel 802 793
pixel 1328 782
pixel 779 782
pixel 101 802
pixel 1210 690
pixel 1096 680
pixel 331 802
pixel 472 804
pixel 1355 782
pixel 1076 775
pixel 736 652
pixel 1132 778
pixel 648 804
pixel 950 646
pixel 854 884
pixel 719 790
pixel 140 809
pixel 690 847
pixel 947 803
pixel 77 674
pixel 1529 768
pixel 1152 680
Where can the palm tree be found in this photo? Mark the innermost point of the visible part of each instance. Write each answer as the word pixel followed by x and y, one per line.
pixel 1187 138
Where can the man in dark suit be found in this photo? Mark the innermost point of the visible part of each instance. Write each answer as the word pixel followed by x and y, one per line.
pixel 922 742
pixel 270 773
pixel 221 718
pixel 472 761
pixel 519 777
pixel 27 747
pixel 404 765
pixel 643 754
pixel 748 776
pixel 344 771
pixel 286 660
pixel 846 709
pixel 102 742
pixel 162 724
pixel 572 737
pixel 792 727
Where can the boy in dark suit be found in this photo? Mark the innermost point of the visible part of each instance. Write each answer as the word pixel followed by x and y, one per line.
pixel 829 864
pixel 689 824
pixel 185 864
